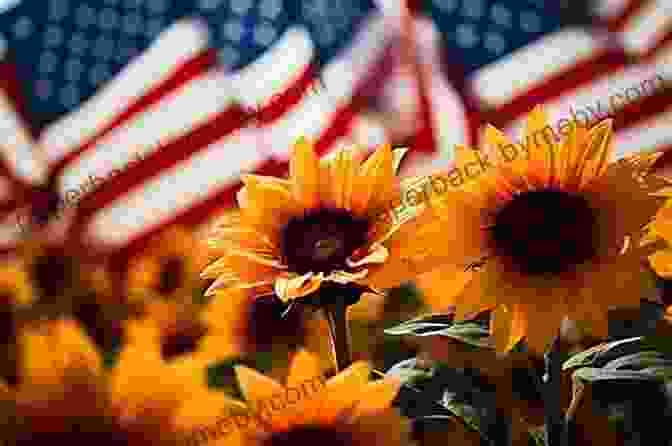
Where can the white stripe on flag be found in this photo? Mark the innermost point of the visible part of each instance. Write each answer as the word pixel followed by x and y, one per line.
pixel 180 188
pixel 213 169
pixel 175 46
pixel 366 131
pixel 276 70
pixel 342 75
pixel 646 27
pixel 603 97
pixel 309 118
pixel 17 146
pixel 316 112
pixel 501 81
pixel 173 116
pixel 648 135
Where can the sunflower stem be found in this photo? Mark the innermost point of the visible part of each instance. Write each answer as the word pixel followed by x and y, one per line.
pixel 556 428
pixel 335 313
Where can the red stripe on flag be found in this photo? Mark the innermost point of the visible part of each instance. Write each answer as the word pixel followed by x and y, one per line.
pixel 556 85
pixel 635 112
pixel 284 101
pixel 618 23
pixel 216 128
pixel 183 74
pixel 165 157
pixel 663 42
pixel 195 215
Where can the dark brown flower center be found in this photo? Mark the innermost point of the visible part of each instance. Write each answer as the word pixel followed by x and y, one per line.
pixel 270 324
pixel 322 240
pixel 172 275
pixel 100 327
pixel 53 274
pixel 545 232
pixel 310 436
pixel 182 341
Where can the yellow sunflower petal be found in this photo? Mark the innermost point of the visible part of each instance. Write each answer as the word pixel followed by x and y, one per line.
pixel 293 287
pixel 598 152
pixel 205 408
pixel 540 326
pixel 374 182
pixel 304 171
pixel 441 287
pixel 494 140
pixel 661 262
pixel 541 146
pixel 344 390
pixel 38 365
pixel 255 386
pixel 342 172
pixel 519 327
pixel 377 396
pixel 431 239
pixel 304 367
pixel 77 346
pixel 266 201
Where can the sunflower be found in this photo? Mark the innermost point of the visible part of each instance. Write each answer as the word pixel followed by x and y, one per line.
pixel 551 234
pixel 235 325
pixel 346 410
pixel 16 293
pixel 54 271
pixel 331 223
pixel 168 268
pixel 65 394
pixel 178 324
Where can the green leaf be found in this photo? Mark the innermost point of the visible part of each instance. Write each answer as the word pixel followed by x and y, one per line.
pixel 470 334
pixel 408 371
pixel 473 416
pixel 591 374
pixel 638 361
pixel 466 413
pixel 473 332
pixel 422 324
pixel 659 343
pixel 600 354
pixel 221 375
pixel 537 436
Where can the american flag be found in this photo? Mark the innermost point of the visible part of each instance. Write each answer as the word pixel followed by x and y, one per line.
pixel 88 85
pixel 152 100
pixel 491 61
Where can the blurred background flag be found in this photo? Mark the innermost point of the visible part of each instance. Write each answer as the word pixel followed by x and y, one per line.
pixel 502 57
pixel 162 104
pixel 159 105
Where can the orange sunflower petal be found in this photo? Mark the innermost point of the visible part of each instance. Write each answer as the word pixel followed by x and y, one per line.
pixel 373 183
pixel 661 262
pixel 256 387
pixel 377 396
pixel 304 168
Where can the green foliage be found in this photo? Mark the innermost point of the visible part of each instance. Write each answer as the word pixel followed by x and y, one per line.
pixel 472 332
pixel 440 392
pixel 625 359
pixel 537 436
